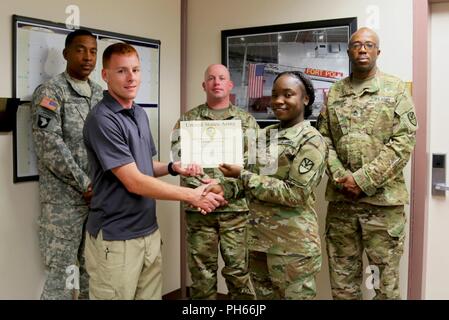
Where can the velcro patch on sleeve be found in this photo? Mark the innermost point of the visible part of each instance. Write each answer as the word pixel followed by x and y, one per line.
pixel 48 103
pixel 305 166
pixel 43 121
pixel 412 118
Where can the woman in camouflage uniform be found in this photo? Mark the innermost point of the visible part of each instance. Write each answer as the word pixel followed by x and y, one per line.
pixel 284 243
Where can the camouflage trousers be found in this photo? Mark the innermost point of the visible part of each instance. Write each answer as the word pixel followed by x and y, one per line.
pixel 61 241
pixel 286 277
pixel 353 228
pixel 204 234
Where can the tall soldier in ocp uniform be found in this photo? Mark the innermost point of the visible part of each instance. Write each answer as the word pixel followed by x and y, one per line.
pixel 59 108
pixel 226 225
pixel 369 125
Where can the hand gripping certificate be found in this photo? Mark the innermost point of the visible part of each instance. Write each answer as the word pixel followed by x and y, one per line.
pixel 211 142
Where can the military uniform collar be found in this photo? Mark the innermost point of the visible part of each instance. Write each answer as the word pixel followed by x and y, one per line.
pixel 292 132
pixel 372 85
pixel 230 112
pixel 74 85
pixel 113 104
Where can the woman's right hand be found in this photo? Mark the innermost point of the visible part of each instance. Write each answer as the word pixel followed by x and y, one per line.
pixel 230 170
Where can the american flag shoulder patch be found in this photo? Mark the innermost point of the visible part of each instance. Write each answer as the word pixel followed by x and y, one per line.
pixel 48 103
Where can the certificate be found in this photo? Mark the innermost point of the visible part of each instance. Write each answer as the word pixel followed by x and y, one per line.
pixel 211 142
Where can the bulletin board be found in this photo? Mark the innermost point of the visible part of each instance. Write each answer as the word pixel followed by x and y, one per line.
pixel 37 57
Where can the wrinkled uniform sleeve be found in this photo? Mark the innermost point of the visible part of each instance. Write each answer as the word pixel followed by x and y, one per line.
pixel 49 143
pixel 305 173
pixel 396 153
pixel 233 188
pixel 335 168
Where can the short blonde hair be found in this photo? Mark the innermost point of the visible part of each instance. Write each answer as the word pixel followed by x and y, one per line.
pixel 119 48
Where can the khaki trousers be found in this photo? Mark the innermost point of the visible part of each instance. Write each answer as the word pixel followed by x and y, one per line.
pixel 124 270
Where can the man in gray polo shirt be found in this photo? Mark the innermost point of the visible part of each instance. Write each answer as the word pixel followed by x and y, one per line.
pixel 123 255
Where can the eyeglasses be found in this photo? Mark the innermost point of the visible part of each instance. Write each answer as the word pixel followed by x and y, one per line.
pixel 358 45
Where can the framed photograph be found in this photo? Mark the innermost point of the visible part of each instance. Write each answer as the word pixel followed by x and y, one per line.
pixel 256 55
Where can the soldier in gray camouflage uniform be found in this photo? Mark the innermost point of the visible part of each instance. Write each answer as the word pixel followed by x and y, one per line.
pixel 369 125
pixel 284 242
pixel 59 108
pixel 226 225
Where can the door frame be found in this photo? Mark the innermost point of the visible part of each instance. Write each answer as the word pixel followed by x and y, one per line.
pixel 420 160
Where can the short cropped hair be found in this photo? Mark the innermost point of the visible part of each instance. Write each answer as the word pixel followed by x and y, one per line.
pixel 117 48
pixel 77 33
pixel 308 86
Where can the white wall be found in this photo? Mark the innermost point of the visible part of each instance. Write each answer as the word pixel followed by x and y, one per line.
pixel 21 270
pixel 391 19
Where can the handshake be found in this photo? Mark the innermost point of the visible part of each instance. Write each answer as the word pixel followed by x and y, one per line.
pixel 210 195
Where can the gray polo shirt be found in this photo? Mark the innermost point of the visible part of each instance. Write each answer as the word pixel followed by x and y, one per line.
pixel 113 138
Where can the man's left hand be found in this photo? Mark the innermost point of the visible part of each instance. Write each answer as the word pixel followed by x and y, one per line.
pixel 88 194
pixel 350 187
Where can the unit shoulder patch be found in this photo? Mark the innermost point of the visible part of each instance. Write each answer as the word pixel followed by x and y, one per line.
pixel 43 121
pixel 412 118
pixel 305 166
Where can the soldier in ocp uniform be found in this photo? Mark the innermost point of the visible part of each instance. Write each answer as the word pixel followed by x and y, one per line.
pixel 59 108
pixel 369 125
pixel 284 242
pixel 226 226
